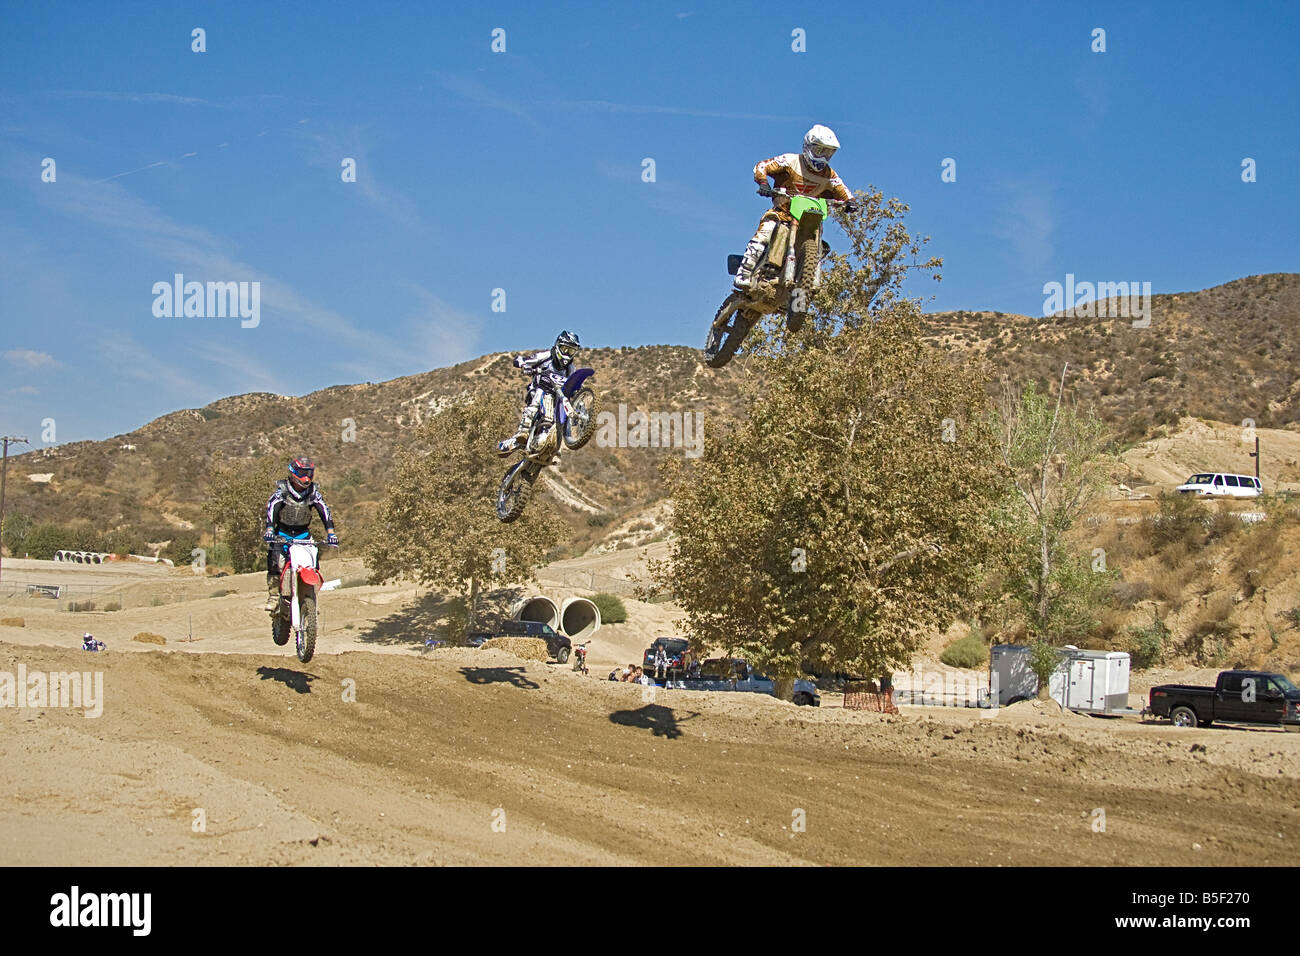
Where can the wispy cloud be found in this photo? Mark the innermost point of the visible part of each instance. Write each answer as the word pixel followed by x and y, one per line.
pixel 443 334
pixel 1028 219
pixel 331 146
pixel 122 96
pixel 587 106
pixel 482 97
pixel 479 95
pixel 24 390
pixel 680 201
pixel 30 358
pixel 185 247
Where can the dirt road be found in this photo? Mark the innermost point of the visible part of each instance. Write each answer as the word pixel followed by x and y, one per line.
pixel 461 756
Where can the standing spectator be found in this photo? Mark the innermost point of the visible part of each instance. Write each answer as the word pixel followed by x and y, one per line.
pixel 661 662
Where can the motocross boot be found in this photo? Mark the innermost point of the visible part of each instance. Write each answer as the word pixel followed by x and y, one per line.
pixel 272 595
pixel 745 274
pixel 520 437
pixel 753 256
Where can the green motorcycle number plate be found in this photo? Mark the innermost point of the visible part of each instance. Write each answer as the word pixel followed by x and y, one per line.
pixel 802 204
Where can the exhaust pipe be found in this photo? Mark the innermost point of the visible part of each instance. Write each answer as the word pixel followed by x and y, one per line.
pixel 580 618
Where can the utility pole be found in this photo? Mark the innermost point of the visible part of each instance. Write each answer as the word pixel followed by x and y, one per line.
pixel 4 473
pixel 1254 454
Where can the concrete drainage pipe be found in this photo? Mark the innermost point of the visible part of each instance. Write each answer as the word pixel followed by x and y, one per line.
pixel 537 608
pixel 579 618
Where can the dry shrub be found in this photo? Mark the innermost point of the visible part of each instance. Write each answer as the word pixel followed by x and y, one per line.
pixel 1180 520
pixel 1212 628
pixel 1223 524
pixel 529 648
pixel 1167 586
pixel 12 622
pixel 1175 555
pixel 148 637
pixel 1110 626
pixel 1129 593
pixel 1262 548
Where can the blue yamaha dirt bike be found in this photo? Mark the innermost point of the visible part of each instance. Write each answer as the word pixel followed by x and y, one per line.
pixel 572 410
pixel 785 279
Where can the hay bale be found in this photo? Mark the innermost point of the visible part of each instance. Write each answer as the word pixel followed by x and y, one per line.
pixel 148 637
pixel 12 622
pixel 529 648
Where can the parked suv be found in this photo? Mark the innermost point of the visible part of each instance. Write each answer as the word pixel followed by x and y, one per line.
pixel 557 645
pixel 1222 484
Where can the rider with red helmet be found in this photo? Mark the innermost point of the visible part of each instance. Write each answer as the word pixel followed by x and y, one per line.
pixel 288 515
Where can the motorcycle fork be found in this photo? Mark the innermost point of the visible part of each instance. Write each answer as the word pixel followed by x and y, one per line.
pixel 536 437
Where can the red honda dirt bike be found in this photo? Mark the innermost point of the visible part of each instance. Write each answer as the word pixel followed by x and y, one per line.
pixel 580 657
pixel 300 581
pixel 785 279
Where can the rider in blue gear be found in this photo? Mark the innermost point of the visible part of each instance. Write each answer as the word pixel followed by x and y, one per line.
pixel 549 369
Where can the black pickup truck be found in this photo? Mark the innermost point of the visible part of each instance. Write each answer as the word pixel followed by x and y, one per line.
pixel 1240 697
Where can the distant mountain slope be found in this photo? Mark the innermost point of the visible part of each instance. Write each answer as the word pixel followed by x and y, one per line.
pixel 1227 353
pixel 152 477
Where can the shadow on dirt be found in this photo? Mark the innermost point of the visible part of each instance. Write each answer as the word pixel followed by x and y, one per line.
pixel 294 680
pixel 514 676
pixel 410 624
pixel 656 718
pixel 430 616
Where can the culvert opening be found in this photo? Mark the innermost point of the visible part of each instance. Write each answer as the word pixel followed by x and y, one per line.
pixel 539 609
pixel 580 618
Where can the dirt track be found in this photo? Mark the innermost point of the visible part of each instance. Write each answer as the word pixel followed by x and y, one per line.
pixel 586 771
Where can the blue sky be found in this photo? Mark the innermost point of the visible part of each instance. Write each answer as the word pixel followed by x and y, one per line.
pixel 522 171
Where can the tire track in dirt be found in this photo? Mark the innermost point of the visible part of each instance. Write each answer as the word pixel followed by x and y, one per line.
pixel 435 748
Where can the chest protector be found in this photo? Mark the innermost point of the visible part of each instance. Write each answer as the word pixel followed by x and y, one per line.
pixel 297 510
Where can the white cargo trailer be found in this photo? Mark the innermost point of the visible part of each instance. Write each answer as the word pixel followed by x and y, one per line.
pixel 1094 682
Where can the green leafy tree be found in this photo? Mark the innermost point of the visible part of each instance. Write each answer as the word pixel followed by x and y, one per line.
pixel 181 549
pixel 848 515
pixel 16 528
pixel 437 523
pixel 44 539
pixel 236 504
pixel 1057 457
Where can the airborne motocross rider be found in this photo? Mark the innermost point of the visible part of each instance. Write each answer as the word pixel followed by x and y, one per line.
pixel 809 174
pixel 550 369
pixel 288 515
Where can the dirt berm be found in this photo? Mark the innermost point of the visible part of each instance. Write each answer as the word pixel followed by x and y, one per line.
pixel 462 756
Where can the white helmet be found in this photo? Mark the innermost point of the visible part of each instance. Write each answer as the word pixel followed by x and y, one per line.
pixel 819 145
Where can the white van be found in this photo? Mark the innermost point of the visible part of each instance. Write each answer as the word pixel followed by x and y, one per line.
pixel 1225 485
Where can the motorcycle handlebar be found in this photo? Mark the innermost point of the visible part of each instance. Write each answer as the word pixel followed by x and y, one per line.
pixel 282 540
pixel 774 191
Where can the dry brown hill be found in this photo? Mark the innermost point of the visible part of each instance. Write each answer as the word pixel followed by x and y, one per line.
pixel 1227 353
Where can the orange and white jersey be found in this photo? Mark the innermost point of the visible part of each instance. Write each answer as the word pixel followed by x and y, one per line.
pixel 790 171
